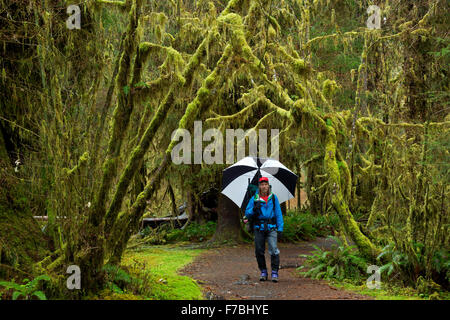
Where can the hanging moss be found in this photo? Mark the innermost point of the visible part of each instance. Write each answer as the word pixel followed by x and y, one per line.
pixel 82 161
pixel 250 66
pixel 329 88
pixel 137 155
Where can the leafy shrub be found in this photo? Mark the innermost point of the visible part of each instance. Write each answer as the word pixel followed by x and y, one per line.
pixel 427 287
pixel 305 226
pixel 155 235
pixel 193 232
pixel 200 232
pixel 342 262
pixel 441 265
pixel 396 262
pixel 398 265
pixel 118 279
pixel 27 290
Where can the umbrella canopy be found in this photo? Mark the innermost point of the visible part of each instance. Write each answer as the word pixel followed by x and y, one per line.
pixel 236 179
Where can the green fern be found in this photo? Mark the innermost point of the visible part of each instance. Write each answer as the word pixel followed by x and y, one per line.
pixel 342 262
pixel 396 262
pixel 118 279
pixel 28 289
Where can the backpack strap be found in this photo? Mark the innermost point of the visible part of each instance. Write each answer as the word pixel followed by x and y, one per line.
pixel 274 218
pixel 273 201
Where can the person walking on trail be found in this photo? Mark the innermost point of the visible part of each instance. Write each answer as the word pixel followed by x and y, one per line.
pixel 265 211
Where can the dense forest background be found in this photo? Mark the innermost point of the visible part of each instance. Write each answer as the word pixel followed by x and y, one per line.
pixel 87 115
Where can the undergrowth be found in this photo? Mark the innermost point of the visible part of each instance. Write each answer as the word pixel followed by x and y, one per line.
pixel 345 267
pixel 306 226
pixel 194 232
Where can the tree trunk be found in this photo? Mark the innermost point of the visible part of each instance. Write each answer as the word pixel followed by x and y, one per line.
pixel 172 199
pixel 299 186
pixel 190 205
pixel 228 221
pixel 92 261
pixel 283 208
pixel 315 198
pixel 139 182
pixel 4 158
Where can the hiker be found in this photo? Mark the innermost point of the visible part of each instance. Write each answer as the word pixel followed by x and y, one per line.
pixel 265 211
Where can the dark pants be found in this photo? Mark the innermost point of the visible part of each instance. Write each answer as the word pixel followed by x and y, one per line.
pixel 260 248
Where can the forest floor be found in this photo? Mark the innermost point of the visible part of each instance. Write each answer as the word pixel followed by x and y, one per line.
pixel 231 273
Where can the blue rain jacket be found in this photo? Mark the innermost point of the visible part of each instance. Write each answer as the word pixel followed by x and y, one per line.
pixel 267 211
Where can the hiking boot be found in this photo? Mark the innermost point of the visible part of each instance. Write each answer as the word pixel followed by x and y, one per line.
pixel 263 276
pixel 274 276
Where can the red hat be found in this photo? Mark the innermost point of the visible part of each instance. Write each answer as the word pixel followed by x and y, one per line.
pixel 263 179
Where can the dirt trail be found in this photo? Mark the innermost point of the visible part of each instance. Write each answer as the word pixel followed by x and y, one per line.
pixel 222 274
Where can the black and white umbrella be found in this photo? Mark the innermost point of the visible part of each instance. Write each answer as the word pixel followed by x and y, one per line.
pixel 236 178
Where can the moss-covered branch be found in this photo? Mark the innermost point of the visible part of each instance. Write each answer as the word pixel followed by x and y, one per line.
pixel 200 103
pixel 135 161
pixel 337 199
pixel 121 115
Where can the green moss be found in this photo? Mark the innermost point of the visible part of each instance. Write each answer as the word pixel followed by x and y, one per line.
pixel 163 263
pixel 351 226
pixel 328 88
pixel 81 162
pixel 185 80
pixel 232 5
pixel 22 243
pixel 388 293
pixel 239 42
pixel 196 107
pixel 299 66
